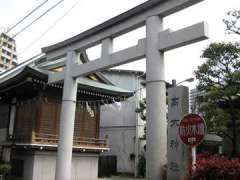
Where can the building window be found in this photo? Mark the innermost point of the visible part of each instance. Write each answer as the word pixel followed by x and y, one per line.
pixel 14 63
pixel 9 46
pixel 8 53
pixel 3 59
pixel 10 39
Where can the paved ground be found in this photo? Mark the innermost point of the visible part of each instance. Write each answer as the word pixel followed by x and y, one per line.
pixel 120 178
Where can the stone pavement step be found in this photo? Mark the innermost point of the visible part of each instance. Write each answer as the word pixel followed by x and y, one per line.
pixel 120 178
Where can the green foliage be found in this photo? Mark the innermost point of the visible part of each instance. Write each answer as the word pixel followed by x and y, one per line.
pixel 141 110
pixel 141 166
pixel 215 118
pixel 220 73
pixel 219 79
pixel 5 168
pixel 232 22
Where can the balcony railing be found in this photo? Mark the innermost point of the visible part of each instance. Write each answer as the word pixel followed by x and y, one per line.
pixel 51 139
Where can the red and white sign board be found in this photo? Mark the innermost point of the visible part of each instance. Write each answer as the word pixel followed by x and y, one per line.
pixel 192 129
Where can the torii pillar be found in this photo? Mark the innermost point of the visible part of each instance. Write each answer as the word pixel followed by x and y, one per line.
pixel 65 144
pixel 156 102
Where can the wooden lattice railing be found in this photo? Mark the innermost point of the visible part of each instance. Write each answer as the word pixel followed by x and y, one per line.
pixel 51 139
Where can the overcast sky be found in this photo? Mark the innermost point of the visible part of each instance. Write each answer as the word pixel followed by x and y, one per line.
pixel 180 63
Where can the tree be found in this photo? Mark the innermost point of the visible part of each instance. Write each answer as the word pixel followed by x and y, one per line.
pixel 5 169
pixel 219 79
pixel 233 22
pixel 141 110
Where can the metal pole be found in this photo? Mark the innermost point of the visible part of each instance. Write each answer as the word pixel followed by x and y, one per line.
pixel 194 158
pixel 64 154
pixel 156 102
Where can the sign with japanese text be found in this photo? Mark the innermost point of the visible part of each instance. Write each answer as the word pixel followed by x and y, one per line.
pixel 192 129
pixel 178 106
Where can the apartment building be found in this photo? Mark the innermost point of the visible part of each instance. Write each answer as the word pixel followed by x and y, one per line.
pixel 8 55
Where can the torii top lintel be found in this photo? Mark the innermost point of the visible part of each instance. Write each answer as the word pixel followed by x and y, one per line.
pixel 118 25
pixel 167 39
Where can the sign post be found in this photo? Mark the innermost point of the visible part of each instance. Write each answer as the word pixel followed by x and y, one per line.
pixel 192 130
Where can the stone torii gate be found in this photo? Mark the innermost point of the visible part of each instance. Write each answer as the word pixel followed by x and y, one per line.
pixel 157 41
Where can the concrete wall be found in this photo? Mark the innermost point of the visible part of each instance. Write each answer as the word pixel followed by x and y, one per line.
pixel 85 166
pixel 120 124
pixel 124 79
pixel 121 145
pixel 113 116
pixel 40 165
pixel 120 127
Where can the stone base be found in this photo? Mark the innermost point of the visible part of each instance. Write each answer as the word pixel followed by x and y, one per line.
pixel 40 165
